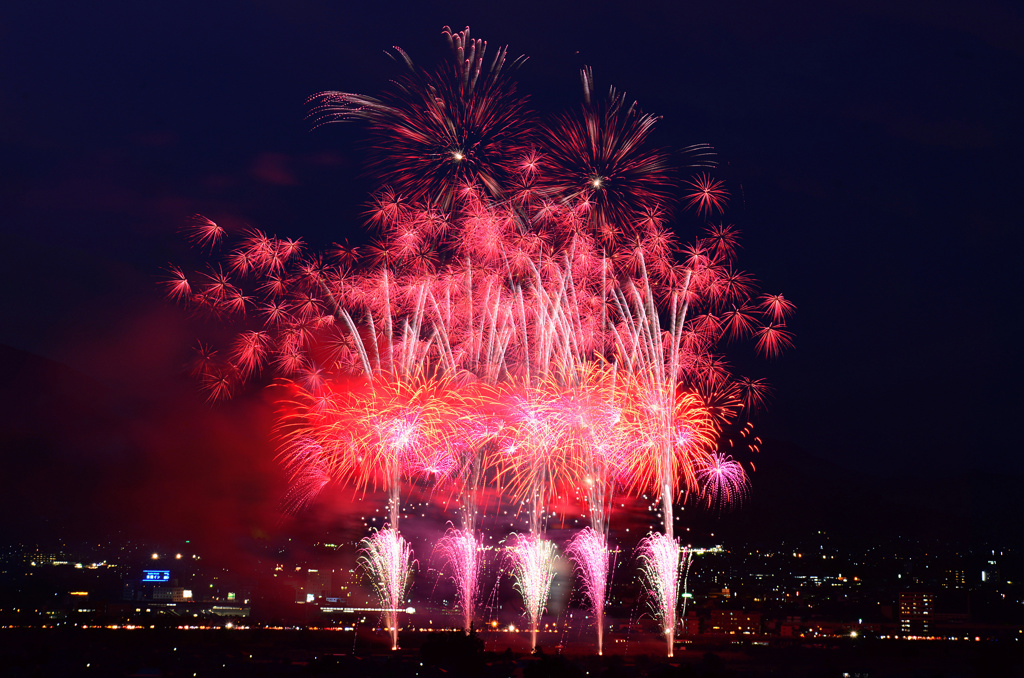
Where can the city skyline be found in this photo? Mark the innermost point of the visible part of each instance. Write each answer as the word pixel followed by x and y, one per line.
pixel 814 584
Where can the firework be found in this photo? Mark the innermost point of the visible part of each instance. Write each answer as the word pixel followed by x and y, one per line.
pixel 589 552
pixel 178 285
pixel 671 436
pixel 598 159
pixel 524 317
pixel 387 559
pixel 309 473
pixel 778 307
pixel 772 339
pixel 708 194
pixel 723 481
pixel 461 550
pixel 204 232
pixel 435 132
pixel 374 433
pixel 688 558
pixel 533 463
pixel 660 559
pixel 532 562
pixel 593 431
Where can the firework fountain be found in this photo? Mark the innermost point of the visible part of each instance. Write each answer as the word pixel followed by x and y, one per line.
pixel 532 562
pixel 461 550
pixel 671 431
pixel 661 560
pixel 589 552
pixel 688 558
pixel 523 318
pixel 388 559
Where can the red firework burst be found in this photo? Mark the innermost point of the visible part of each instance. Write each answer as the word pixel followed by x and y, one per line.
pixel 600 158
pixel 204 232
pixel 434 132
pixel 778 308
pixel 709 195
pixel 772 339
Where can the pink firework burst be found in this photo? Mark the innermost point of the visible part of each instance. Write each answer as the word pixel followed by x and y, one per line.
pixel 178 286
pixel 723 481
pixel 772 339
pixel 724 240
pixel 739 321
pixel 753 393
pixel 778 308
pixel 204 232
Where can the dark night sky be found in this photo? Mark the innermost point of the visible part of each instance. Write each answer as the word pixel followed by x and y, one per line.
pixel 874 148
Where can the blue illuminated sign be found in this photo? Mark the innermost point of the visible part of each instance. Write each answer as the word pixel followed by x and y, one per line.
pixel 156 575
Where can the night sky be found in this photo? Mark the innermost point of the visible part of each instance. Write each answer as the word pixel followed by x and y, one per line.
pixel 873 150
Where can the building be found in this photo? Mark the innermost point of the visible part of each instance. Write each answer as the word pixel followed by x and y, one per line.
pixel 734 623
pixel 916 613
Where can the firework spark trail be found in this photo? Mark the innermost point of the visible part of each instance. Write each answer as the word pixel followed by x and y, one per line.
pixel 688 558
pixel 654 362
pixel 678 400
pixel 589 434
pixel 660 560
pixel 387 559
pixel 310 472
pixel 462 551
pixel 536 462
pixel 532 563
pixel 588 550
pixel 670 435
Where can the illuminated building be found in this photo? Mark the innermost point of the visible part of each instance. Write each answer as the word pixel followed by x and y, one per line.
pixel 916 613
pixel 734 623
pixel 956 578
